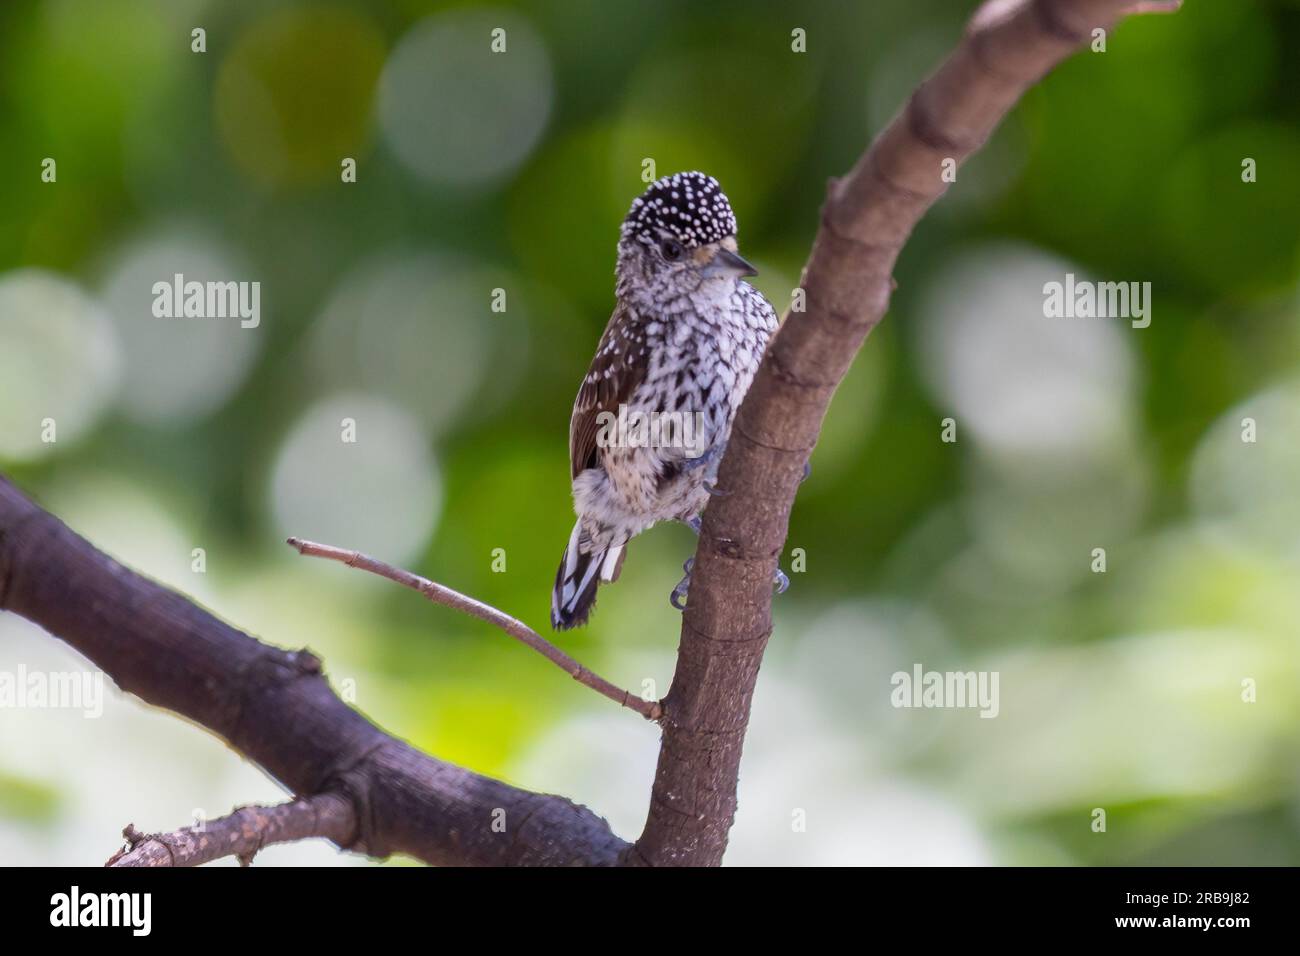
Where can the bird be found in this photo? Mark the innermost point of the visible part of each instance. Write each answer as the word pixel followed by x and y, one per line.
pixel 654 412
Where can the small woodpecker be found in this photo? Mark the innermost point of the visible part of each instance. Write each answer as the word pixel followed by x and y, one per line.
pixel 654 412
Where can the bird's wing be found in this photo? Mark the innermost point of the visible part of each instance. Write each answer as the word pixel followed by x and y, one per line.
pixel 618 368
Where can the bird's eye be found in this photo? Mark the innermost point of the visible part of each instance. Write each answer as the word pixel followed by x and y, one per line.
pixel 670 249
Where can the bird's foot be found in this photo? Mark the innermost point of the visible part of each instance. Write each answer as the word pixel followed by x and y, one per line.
pixel 780 581
pixel 709 461
pixel 678 598
pixel 708 458
pixel 807 470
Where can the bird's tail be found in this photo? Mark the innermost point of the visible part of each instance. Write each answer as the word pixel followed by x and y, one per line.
pixel 580 574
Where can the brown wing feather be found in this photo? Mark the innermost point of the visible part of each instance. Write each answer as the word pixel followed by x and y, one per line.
pixel 618 368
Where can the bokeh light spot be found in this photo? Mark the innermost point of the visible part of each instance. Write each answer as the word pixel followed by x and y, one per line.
pixel 1025 383
pixel 1245 474
pixel 456 113
pixel 418 329
pixel 293 96
pixel 178 369
pixel 59 361
pixel 378 493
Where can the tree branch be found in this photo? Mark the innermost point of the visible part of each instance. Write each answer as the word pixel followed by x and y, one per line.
pixel 441 594
pixel 867 217
pixel 241 834
pixel 275 707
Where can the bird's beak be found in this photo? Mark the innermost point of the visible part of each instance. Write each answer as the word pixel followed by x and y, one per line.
pixel 726 262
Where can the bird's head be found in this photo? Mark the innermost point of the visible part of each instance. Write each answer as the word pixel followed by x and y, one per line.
pixel 681 233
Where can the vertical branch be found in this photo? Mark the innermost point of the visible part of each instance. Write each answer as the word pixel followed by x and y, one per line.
pixel 867 217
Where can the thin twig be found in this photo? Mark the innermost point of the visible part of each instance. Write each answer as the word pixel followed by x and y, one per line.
pixel 441 594
pixel 241 834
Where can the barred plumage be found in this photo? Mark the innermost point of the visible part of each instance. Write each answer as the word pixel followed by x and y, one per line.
pixel 681 348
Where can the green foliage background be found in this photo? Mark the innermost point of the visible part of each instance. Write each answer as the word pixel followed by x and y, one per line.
pixel 1120 691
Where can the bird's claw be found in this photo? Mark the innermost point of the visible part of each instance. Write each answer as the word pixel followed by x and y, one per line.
pixel 709 461
pixel 781 581
pixel 807 470
pixel 678 597
pixel 699 461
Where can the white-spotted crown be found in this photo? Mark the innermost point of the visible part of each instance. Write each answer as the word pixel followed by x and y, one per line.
pixel 691 207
